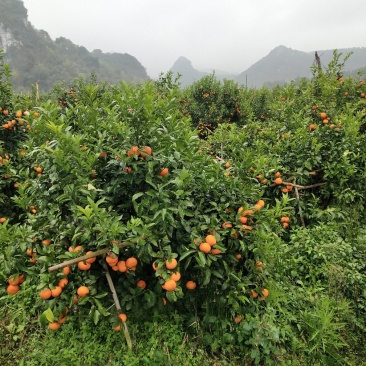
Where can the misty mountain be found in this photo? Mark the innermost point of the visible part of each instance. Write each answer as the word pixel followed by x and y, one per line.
pixel 283 64
pixel 189 74
pixel 33 56
pixel 280 66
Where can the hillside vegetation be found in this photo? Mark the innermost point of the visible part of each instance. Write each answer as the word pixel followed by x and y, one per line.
pixel 211 225
pixel 35 57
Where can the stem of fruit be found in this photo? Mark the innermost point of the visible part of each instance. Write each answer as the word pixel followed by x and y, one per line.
pixel 118 305
pixel 83 258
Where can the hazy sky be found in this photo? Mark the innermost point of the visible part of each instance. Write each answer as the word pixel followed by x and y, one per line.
pixel 227 35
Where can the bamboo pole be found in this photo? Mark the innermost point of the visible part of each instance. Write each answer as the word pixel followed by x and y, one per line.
pixel 118 305
pixel 83 258
pixel 299 204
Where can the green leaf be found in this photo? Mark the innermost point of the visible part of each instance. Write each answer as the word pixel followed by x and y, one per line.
pixel 49 315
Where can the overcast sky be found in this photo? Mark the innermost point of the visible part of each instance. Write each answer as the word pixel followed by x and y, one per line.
pixel 227 35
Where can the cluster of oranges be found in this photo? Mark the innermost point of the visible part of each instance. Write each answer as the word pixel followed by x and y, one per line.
pixel 14 283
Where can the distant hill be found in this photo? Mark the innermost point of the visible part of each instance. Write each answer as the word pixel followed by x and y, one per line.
pixel 283 64
pixel 189 74
pixel 33 56
pixel 280 66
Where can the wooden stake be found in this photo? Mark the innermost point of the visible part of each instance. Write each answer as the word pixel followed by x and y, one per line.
pixel 118 305
pixel 84 257
pixel 300 209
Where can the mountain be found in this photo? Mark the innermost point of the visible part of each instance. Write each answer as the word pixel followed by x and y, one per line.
pixel 188 73
pixel 33 56
pixel 283 64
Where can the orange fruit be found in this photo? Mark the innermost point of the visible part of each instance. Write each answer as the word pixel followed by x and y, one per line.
pixel 146 151
pixel 170 285
pixel 62 319
pixel 277 174
pixel 122 266
pixel 323 115
pixel 111 260
pixel 278 181
pixel 131 262
pixel 175 276
pixel 265 292
pixel 227 225
pixel 259 265
pixel 215 251
pixel 84 266
pixel 63 282
pixel 243 220
pixel 205 247
pixel 164 172
pixel 123 317
pixel 285 225
pixel 261 203
pixel 312 127
pixel 238 319
pixel 141 284
pixel 210 239
pixel 90 260
pixel 14 280
pixel 238 256
pixel 257 207
pixel 54 325
pixel 154 266
pixel 103 154
pixel 171 263
pixel 117 328
pixel 45 294
pixel 325 121
pixel 66 270
pixel 227 165
pixel 12 289
pixel 82 291
pixel 2 220
pixel 191 285
pixel 285 219
pixel 56 292
pixel 46 242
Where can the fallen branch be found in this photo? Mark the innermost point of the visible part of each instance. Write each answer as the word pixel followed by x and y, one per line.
pixel 83 258
pixel 118 305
